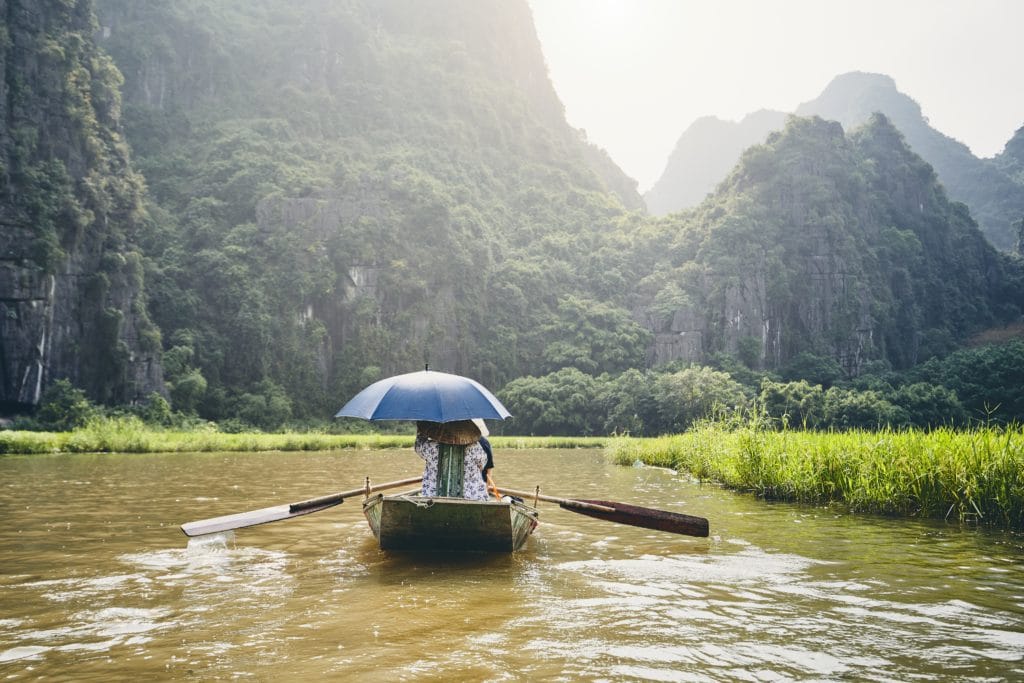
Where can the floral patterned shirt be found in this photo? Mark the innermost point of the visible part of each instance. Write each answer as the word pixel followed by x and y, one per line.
pixel 473 485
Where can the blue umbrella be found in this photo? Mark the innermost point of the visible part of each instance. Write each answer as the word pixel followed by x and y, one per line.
pixel 425 395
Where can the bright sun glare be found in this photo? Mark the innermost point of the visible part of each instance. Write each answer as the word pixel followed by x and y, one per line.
pixel 608 15
pixel 636 73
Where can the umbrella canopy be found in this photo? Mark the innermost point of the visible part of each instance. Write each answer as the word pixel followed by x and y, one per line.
pixel 425 395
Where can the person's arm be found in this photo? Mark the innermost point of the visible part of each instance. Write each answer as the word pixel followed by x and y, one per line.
pixel 427 449
pixel 486 472
pixel 491 486
pixel 422 447
pixel 486 445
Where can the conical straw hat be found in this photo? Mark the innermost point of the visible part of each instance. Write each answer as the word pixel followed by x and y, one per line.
pixel 458 433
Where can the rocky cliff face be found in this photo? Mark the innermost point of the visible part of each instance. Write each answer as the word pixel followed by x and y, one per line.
pixel 71 299
pixel 432 331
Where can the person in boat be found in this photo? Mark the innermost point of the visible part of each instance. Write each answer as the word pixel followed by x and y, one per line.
pixel 438 443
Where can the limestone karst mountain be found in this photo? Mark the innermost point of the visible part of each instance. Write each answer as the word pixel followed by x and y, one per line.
pixel 1011 159
pixel 352 188
pixel 833 245
pixel 71 295
pixel 319 194
pixel 995 197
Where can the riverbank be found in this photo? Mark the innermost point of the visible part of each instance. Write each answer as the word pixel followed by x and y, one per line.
pixel 973 475
pixel 131 436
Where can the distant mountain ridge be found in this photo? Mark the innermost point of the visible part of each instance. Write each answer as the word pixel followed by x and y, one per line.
pixel 704 155
pixel 993 192
pixel 995 200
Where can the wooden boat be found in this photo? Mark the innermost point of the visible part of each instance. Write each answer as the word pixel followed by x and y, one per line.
pixel 414 522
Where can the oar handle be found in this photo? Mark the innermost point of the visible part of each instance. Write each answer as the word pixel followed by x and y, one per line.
pixel 335 498
pixel 564 502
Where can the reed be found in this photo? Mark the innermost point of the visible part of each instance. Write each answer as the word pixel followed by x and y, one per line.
pixel 975 475
pixel 129 435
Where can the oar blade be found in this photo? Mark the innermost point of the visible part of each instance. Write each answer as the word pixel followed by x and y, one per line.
pixel 648 518
pixel 252 518
pixel 287 511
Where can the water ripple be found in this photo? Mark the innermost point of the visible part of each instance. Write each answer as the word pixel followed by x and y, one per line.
pixel 96 591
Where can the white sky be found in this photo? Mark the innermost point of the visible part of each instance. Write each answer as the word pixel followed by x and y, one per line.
pixel 636 73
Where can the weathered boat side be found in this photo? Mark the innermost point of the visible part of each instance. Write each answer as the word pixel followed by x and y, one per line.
pixel 412 522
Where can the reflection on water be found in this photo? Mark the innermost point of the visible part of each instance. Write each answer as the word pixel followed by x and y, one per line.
pixel 98 582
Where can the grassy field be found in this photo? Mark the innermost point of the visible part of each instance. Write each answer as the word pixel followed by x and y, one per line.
pixel 975 475
pixel 132 436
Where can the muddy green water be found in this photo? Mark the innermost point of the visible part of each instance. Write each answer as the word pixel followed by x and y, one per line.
pixel 98 583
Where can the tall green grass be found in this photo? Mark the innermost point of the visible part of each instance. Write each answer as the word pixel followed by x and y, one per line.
pixel 975 475
pixel 130 435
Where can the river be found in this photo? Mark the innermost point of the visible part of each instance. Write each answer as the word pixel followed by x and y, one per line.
pixel 99 583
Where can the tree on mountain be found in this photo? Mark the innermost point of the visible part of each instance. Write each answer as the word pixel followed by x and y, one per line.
pixel 64 407
pixel 595 337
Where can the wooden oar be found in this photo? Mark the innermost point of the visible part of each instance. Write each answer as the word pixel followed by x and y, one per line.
pixel 649 518
pixel 286 511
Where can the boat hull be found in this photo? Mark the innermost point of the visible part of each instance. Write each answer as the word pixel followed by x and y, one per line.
pixel 413 522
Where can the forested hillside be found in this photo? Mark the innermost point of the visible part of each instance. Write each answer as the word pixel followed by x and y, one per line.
pixel 844 247
pixel 1011 159
pixel 71 277
pixel 353 189
pixel 810 287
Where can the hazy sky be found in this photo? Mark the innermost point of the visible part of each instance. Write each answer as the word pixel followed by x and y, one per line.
pixel 635 73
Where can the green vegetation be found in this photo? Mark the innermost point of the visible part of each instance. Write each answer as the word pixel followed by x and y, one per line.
pixel 969 387
pixel 975 475
pixel 64 407
pixel 71 208
pixel 370 186
pixel 131 435
pixel 418 198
